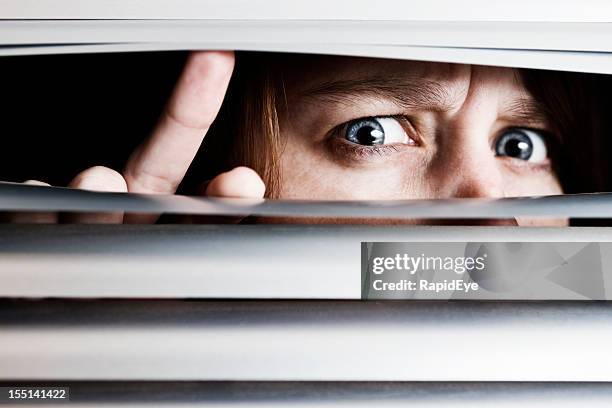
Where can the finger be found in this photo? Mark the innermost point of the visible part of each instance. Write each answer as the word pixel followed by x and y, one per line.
pixel 241 182
pixel 160 163
pixel 97 178
pixel 32 217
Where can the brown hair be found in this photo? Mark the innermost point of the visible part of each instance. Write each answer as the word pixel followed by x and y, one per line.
pixel 574 105
pixel 247 131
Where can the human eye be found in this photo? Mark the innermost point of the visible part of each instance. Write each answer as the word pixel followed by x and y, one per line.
pixel 375 131
pixel 524 144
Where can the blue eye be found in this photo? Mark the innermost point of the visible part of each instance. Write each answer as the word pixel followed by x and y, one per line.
pixel 522 144
pixel 375 131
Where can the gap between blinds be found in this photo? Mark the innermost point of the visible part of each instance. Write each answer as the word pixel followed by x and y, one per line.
pixel 553 35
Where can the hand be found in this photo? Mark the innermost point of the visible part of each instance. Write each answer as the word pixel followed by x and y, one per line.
pixel 159 164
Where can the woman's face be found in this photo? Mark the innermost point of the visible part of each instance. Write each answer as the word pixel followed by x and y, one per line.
pixel 383 129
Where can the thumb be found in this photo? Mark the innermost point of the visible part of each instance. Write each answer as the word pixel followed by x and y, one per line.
pixel 240 182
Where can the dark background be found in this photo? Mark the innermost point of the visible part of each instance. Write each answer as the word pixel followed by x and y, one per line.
pixel 64 113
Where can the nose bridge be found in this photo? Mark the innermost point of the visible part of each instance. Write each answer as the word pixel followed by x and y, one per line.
pixel 472 169
pixel 478 182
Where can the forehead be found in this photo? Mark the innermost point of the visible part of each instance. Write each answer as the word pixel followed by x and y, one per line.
pixel 309 69
pixel 305 73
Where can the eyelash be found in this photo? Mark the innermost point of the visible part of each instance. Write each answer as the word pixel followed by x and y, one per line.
pixel 354 151
pixel 553 145
pixel 346 148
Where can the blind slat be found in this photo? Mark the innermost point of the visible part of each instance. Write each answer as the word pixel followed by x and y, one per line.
pixel 423 10
pixel 306 341
pixel 552 36
pixel 217 261
pixel 331 394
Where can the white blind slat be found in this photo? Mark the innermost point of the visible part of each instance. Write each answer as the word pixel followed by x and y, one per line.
pixel 420 10
pixel 552 36
pixel 307 341
pixel 170 261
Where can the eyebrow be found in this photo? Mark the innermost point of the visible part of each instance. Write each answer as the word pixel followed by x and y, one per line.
pixel 419 93
pixel 528 110
pixel 406 92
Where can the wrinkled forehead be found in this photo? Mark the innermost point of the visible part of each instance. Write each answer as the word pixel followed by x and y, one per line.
pixel 308 70
pixel 304 74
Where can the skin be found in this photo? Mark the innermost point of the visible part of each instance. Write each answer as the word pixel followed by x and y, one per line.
pixel 452 153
